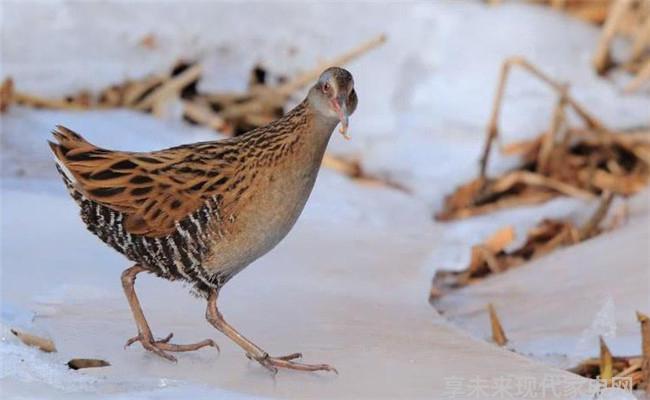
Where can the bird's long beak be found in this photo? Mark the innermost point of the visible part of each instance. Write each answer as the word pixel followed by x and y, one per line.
pixel 341 108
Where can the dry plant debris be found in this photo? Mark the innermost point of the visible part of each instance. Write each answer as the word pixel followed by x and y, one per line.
pixel 629 372
pixel 626 19
pixel 229 113
pixel 578 161
pixel 6 94
pixel 629 19
pixel 593 11
pixel 81 363
pixel 148 41
pixel 644 320
pixel 352 168
pixel 498 335
pixel 492 257
pixel 42 344
pixel 606 362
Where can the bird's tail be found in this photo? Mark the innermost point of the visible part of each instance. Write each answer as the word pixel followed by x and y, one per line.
pixel 68 148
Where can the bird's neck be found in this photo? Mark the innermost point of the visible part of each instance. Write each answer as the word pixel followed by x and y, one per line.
pixel 316 133
pixel 311 123
pixel 300 137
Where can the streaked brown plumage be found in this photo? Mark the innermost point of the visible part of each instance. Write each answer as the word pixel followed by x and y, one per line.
pixel 202 212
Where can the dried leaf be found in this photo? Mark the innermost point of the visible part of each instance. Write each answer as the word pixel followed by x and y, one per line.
pixel 500 239
pixel 80 363
pixel 42 344
pixel 491 257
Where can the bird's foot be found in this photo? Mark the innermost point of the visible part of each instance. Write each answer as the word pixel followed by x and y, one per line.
pixel 160 347
pixel 273 363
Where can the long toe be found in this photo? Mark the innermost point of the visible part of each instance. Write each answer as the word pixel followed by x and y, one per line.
pixel 187 347
pixel 162 346
pixel 273 363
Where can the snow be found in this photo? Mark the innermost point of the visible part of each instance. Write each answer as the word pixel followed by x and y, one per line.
pixel 607 287
pixel 349 285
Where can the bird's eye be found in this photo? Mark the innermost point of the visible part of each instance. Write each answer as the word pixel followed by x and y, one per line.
pixel 326 87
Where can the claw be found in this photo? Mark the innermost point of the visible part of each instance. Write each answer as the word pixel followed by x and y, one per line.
pixel 138 338
pixel 153 348
pixel 270 367
pixel 273 363
pixel 132 340
pixel 167 339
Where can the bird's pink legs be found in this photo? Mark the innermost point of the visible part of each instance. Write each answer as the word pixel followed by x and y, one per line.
pixel 145 337
pixel 253 351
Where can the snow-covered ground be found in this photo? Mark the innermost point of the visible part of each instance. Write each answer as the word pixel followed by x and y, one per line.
pixel 349 285
pixel 556 307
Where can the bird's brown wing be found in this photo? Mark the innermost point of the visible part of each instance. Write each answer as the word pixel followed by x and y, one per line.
pixel 154 190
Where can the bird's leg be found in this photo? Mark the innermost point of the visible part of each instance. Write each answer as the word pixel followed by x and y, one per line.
pixel 253 351
pixel 145 337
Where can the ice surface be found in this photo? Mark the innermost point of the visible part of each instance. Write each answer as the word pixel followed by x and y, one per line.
pixel 349 285
pixel 362 307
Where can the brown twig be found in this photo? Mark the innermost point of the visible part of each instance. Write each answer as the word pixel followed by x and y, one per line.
pixel 203 115
pixel 493 124
pixel 531 198
pixel 353 170
pixel 498 335
pixel 169 88
pixel 644 320
pixel 549 138
pixel 591 228
pixel 642 76
pixel 581 162
pixel 641 40
pixel 42 102
pixel 533 179
pixel 602 59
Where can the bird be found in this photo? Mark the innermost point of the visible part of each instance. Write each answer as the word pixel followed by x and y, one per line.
pixel 200 213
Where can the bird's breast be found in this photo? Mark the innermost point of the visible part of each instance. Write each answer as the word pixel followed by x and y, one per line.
pixel 268 211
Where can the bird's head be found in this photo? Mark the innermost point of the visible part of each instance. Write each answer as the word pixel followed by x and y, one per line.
pixel 333 96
